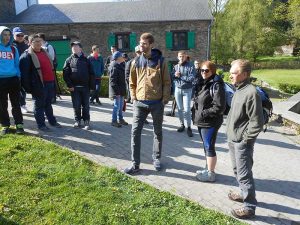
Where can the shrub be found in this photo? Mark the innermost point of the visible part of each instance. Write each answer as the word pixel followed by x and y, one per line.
pixel 289 88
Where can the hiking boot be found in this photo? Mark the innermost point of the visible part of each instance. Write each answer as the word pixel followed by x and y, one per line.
pixel 132 169
pixel 44 128
pixel 87 125
pixel 24 109
pixel 206 176
pixel 157 164
pixel 181 128
pixel 4 130
pixel 57 125
pixel 19 129
pixel 123 122
pixel 116 124
pixel 243 213
pixel 77 124
pixel 189 132
pixel 235 197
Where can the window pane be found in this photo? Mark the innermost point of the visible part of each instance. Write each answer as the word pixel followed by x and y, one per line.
pixel 180 40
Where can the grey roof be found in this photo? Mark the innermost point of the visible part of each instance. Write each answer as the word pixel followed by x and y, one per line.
pixel 125 11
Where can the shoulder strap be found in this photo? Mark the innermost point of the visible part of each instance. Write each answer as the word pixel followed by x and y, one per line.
pixel 13 49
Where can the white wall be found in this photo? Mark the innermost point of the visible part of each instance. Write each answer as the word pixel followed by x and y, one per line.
pixel 21 5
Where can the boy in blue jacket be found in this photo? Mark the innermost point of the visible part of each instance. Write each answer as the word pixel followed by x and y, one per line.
pixel 9 82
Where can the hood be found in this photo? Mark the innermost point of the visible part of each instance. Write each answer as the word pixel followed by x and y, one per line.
pixel 156 53
pixel 3 28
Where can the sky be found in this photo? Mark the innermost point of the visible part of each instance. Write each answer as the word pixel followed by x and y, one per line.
pixel 70 1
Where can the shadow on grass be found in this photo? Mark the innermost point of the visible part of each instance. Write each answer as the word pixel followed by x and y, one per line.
pixel 4 221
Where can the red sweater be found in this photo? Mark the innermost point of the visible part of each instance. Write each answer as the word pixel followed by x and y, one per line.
pixel 46 68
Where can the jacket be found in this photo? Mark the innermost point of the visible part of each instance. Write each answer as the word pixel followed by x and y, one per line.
pixel 117 84
pixel 78 71
pixel 9 57
pixel 20 46
pixel 209 105
pixel 185 81
pixel 98 65
pixel 149 78
pixel 245 118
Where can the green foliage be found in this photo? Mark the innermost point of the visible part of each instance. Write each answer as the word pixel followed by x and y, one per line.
pixel 289 88
pixel 104 86
pixel 294 17
pixel 42 183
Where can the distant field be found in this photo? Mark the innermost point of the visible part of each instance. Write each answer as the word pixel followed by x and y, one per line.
pixel 276 76
pixel 277 59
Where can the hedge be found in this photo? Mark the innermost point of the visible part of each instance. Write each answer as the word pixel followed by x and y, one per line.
pixel 289 88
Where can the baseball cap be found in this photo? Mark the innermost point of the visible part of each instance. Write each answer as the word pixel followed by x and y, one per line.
pixel 116 55
pixel 18 30
pixel 76 43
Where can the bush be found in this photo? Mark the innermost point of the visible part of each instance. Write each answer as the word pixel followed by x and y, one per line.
pixel 276 65
pixel 289 88
pixel 65 91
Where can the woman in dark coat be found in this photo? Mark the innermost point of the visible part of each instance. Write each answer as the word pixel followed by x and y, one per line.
pixel 207 113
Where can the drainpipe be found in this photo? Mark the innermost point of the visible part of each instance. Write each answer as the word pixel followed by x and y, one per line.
pixel 208 39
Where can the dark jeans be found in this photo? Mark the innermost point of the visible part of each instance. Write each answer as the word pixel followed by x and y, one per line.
pixel 209 136
pixel 95 94
pixel 10 86
pixel 42 105
pixel 241 154
pixel 80 99
pixel 140 113
pixel 22 97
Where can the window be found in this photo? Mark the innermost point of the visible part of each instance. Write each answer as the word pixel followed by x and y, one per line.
pixel 125 42
pixel 180 40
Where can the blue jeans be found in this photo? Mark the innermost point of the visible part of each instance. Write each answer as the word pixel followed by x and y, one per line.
pixel 80 99
pixel 42 105
pixel 183 99
pixel 118 107
pixel 241 154
pixel 140 113
pixel 96 92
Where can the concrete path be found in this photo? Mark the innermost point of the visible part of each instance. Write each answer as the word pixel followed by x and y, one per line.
pixel 276 161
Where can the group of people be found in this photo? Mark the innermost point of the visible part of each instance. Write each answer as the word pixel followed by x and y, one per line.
pixel 149 83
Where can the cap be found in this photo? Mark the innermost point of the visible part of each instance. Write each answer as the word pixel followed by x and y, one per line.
pixel 137 49
pixel 18 30
pixel 116 55
pixel 76 43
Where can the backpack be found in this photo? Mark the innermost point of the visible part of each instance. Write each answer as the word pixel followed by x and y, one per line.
pixel 55 64
pixel 265 100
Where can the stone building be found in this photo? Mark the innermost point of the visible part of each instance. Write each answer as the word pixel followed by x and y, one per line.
pixel 176 25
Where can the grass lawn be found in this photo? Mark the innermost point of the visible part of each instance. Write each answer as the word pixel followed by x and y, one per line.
pixel 277 58
pixel 42 183
pixel 276 76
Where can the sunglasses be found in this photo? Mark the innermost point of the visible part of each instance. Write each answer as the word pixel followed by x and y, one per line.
pixel 204 70
pixel 20 35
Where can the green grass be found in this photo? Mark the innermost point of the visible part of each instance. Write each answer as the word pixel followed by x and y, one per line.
pixel 277 59
pixel 42 183
pixel 276 76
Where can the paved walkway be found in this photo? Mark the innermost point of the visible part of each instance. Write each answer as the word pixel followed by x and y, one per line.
pixel 276 157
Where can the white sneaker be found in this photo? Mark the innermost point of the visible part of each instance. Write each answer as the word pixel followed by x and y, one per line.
pixel 24 109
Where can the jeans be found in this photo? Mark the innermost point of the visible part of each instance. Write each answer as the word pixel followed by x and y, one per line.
pixel 42 105
pixel 22 97
pixel 117 109
pixel 80 100
pixel 209 136
pixel 140 113
pixel 96 92
pixel 10 86
pixel 183 99
pixel 241 154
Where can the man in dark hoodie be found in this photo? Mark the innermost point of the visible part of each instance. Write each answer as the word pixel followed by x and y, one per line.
pixel 150 86
pixel 9 82
pixel 79 76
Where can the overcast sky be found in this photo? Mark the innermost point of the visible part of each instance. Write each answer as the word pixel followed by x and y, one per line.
pixel 70 1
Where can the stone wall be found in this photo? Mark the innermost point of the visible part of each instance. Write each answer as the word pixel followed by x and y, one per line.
pixel 97 33
pixel 7 10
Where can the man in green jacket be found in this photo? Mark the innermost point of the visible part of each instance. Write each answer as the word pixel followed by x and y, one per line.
pixel 244 123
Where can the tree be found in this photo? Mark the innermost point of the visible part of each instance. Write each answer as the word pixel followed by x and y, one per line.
pixel 294 17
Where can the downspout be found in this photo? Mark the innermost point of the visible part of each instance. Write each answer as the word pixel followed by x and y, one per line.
pixel 209 39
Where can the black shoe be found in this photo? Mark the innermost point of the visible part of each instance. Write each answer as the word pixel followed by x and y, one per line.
pixel 98 102
pixel 45 129
pixel 181 128
pixel 123 122
pixel 243 213
pixel 116 124
pixel 4 130
pixel 19 129
pixel 132 170
pixel 57 125
pixel 189 132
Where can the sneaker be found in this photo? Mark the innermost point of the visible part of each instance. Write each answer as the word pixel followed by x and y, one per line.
pixel 45 129
pixel 132 170
pixel 189 132
pixel 57 125
pixel 207 176
pixel 116 124
pixel 24 109
pixel 123 122
pixel 98 102
pixel 77 124
pixel 243 213
pixel 201 171
pixel 157 164
pixel 19 129
pixel 87 125
pixel 4 130
pixel 235 197
pixel 181 128
pixel 146 122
